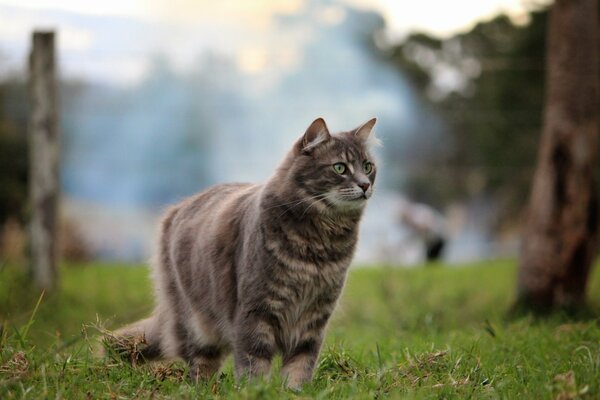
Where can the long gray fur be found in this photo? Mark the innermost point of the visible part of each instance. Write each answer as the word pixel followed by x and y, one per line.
pixel 257 269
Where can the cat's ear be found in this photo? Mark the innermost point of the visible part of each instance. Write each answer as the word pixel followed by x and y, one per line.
pixel 364 131
pixel 316 134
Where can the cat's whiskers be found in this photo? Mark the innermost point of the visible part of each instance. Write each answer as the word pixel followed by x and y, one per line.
pixel 313 203
pixel 350 194
pixel 316 199
pixel 294 204
pixel 291 202
pixel 283 204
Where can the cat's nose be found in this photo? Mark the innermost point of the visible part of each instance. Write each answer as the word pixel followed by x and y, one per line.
pixel 364 186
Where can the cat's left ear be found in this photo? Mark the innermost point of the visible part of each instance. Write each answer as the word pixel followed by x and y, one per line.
pixel 316 134
pixel 363 132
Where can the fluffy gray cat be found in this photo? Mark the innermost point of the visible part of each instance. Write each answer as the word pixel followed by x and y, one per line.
pixel 257 269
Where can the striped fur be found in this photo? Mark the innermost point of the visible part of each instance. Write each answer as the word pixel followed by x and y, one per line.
pixel 257 269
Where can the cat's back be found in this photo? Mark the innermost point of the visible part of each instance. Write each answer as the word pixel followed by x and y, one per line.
pixel 199 241
pixel 212 208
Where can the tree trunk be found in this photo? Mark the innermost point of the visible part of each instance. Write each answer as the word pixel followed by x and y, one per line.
pixel 43 159
pixel 560 235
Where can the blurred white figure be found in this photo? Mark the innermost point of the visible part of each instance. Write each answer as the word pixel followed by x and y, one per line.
pixel 427 226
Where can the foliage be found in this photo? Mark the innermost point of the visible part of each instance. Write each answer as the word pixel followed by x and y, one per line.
pixel 487 84
pixel 13 150
pixel 427 333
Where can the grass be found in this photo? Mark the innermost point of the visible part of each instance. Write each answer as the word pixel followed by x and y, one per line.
pixel 420 333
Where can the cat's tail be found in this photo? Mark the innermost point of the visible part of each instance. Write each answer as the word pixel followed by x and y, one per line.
pixel 137 343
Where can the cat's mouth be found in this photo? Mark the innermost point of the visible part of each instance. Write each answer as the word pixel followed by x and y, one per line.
pixel 350 201
pixel 354 194
pixel 361 197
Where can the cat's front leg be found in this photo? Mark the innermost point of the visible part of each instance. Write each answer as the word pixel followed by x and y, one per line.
pixel 299 362
pixel 204 366
pixel 255 344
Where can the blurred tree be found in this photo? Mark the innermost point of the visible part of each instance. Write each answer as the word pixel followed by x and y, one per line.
pixel 560 236
pixel 487 85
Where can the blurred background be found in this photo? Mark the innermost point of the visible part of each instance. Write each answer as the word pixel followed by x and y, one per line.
pixel 159 100
pixel 489 114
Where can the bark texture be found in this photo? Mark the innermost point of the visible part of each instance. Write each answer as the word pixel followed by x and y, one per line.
pixel 43 158
pixel 560 236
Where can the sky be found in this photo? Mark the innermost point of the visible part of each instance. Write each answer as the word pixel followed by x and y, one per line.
pixel 436 16
pixel 99 37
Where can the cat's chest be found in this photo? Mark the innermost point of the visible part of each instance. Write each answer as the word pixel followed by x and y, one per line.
pixel 304 300
pixel 312 283
pixel 310 245
pixel 310 292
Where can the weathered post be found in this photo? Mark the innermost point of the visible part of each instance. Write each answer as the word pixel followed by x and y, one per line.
pixel 43 160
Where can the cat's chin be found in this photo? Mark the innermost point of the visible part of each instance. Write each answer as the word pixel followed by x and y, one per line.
pixel 346 205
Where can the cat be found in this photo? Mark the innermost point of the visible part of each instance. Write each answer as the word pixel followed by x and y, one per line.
pixel 257 269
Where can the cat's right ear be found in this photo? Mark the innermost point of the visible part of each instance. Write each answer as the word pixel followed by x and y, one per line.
pixel 316 134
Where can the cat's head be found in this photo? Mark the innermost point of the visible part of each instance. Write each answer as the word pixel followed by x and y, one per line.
pixel 334 171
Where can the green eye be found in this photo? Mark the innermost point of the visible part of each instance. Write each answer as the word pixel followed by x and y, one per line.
pixel 368 167
pixel 340 168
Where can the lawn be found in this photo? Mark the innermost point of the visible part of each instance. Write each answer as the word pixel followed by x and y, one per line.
pixel 435 332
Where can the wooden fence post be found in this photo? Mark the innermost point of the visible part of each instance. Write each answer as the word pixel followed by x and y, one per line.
pixel 43 160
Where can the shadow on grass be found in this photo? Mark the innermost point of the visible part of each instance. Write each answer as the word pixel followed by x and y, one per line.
pixel 582 313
